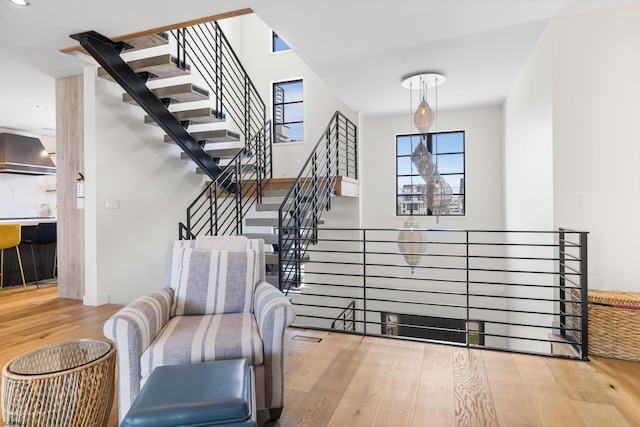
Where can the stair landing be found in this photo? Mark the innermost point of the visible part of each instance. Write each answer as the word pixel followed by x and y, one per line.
pixel 344 186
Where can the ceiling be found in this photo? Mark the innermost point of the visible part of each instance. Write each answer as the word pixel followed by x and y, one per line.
pixel 360 48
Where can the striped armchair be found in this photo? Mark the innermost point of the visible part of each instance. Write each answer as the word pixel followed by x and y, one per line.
pixel 214 305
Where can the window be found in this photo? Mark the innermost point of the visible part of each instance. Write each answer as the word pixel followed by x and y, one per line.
pixel 287 111
pixel 277 44
pixel 447 150
pixel 433 328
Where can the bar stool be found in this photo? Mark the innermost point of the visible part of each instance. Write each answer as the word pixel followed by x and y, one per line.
pixel 10 238
pixel 46 233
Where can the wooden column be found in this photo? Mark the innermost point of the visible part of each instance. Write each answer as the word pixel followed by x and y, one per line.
pixel 70 156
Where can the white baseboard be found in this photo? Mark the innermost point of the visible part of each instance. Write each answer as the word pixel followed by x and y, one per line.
pixel 95 300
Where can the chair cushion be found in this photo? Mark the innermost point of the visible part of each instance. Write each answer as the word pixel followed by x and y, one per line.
pixel 213 282
pixel 194 339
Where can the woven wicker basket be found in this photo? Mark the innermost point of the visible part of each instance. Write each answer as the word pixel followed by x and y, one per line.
pixel 77 389
pixel 614 324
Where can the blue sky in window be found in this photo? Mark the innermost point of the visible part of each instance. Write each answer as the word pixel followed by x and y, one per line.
pixel 279 45
pixel 292 91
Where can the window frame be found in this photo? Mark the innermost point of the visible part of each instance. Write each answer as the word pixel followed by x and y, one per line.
pixel 274 38
pixel 276 103
pixel 414 175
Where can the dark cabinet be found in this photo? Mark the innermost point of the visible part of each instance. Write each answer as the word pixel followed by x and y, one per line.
pixel 44 260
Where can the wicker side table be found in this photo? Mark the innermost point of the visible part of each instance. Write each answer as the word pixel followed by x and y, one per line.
pixel 65 384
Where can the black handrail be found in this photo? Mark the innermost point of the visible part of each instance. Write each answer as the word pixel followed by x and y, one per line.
pixel 209 51
pixel 346 320
pixel 218 212
pixel 221 207
pixel 504 289
pixel 299 214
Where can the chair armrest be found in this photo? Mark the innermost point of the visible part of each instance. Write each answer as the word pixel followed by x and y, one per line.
pixel 271 305
pixel 133 329
pixel 273 313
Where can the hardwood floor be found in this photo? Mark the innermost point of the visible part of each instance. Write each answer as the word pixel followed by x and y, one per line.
pixel 346 380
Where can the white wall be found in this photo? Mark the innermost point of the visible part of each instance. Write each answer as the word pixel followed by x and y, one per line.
pixel 153 186
pixel 528 144
pixel 264 68
pixel 596 105
pixel 528 191
pixel 128 162
pixel 483 171
pixel 25 195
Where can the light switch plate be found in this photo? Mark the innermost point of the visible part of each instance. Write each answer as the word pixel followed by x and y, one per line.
pixel 112 204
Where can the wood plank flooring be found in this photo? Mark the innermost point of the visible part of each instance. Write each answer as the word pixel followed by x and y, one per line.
pixel 347 380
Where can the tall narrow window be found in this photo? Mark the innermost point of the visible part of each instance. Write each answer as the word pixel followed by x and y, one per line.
pixel 447 151
pixel 288 113
pixel 277 44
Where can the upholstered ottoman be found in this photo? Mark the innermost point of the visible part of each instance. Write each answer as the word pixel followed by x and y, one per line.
pixel 216 393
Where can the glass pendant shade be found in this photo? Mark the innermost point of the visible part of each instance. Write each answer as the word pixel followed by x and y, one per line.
pixel 423 117
pixel 422 160
pixel 437 194
pixel 412 242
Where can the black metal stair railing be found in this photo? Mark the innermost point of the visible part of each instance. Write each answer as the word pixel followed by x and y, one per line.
pixel 213 212
pixel 207 49
pixel 217 212
pixel 334 155
pixel 519 291
pixel 107 53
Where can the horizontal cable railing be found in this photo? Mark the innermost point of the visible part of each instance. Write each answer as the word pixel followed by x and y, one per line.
pixel 520 291
pixel 334 155
pixel 219 209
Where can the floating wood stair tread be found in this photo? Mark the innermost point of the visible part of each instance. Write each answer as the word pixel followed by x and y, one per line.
pixel 269 238
pixel 245 168
pixel 162 66
pixel 218 135
pixel 147 41
pixel 221 153
pixel 268 222
pixel 196 116
pixel 275 193
pixel 186 92
pixel 267 207
pixel 273 258
pixel 143 42
pixel 261 222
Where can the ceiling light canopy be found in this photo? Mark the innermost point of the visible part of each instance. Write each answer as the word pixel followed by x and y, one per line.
pixel 20 2
pixel 423 117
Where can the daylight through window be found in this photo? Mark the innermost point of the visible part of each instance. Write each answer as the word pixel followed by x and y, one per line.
pixel 447 150
pixel 277 44
pixel 288 112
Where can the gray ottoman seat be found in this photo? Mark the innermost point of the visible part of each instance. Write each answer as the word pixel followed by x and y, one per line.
pixel 216 393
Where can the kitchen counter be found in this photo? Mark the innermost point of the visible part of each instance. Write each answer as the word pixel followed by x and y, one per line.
pixel 28 220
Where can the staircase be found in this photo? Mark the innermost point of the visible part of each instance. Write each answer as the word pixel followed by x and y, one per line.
pixel 238 163
pixel 158 81
pixel 330 170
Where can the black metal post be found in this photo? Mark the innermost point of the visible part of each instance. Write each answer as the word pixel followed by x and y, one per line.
pixel 584 303
pixel 562 282
pixel 364 279
pixel 467 283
